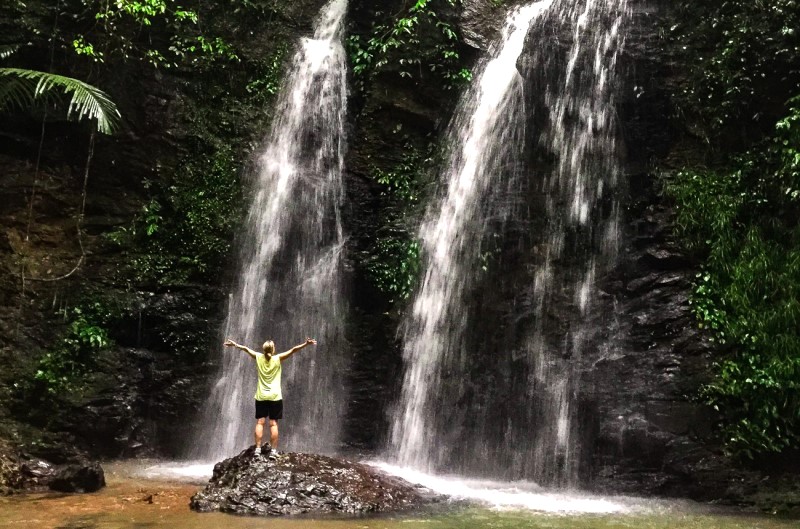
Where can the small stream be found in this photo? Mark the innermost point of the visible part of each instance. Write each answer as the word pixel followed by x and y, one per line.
pixel 150 495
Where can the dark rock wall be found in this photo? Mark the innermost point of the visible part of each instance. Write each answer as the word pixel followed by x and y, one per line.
pixel 389 114
pixel 643 429
pixel 647 431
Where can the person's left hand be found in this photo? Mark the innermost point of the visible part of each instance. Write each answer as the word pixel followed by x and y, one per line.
pixel 311 341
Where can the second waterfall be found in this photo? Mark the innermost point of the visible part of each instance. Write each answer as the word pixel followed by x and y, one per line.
pixel 514 248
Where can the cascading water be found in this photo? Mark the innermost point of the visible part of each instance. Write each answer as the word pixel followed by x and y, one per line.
pixel 486 144
pixel 452 416
pixel 582 221
pixel 289 284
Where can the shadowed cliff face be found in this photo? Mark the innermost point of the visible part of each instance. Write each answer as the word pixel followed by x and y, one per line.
pixel 641 429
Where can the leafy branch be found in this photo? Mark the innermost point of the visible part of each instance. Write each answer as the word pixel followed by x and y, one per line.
pixel 419 39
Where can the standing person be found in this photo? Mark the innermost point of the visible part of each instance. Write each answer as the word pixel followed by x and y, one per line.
pixel 269 400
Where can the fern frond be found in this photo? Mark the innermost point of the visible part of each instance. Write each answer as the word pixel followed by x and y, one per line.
pixel 21 88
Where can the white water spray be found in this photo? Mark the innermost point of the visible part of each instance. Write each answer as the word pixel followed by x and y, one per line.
pixel 289 284
pixel 584 135
pixel 486 145
pixel 449 418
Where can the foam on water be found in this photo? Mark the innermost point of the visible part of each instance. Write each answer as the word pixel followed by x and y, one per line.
pixel 190 471
pixel 499 496
pixel 193 472
pixel 516 495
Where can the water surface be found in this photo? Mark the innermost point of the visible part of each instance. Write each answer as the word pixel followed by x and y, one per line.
pixel 134 502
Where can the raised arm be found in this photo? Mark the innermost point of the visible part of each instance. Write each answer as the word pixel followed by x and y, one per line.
pixel 293 350
pixel 231 343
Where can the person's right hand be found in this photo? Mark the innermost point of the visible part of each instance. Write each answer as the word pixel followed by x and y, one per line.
pixel 229 343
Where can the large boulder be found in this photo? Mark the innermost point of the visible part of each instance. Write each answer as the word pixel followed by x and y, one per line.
pixel 26 473
pixel 296 483
pixel 82 477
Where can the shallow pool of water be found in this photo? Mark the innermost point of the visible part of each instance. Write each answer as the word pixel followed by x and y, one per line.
pixel 156 496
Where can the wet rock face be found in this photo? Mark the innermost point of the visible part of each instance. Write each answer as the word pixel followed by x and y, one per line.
pixel 480 22
pixel 31 474
pixel 87 477
pixel 297 483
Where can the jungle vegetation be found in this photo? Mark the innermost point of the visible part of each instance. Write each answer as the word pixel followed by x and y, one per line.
pixel 739 211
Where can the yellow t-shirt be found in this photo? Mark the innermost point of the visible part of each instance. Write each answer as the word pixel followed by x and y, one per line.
pixel 269 378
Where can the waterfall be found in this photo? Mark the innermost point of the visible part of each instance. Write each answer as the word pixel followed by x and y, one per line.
pixel 291 256
pixel 452 416
pixel 582 212
pixel 486 144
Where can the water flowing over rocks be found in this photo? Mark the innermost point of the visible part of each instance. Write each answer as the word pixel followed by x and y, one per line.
pixel 297 483
pixel 641 432
pixel 293 250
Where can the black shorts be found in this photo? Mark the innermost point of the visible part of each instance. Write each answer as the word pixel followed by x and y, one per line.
pixel 269 408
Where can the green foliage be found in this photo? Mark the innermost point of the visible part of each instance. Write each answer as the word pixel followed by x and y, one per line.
pixel 405 180
pixel 785 149
pixel 62 368
pixel 135 29
pixel 24 88
pixel 744 222
pixel 184 232
pixel 394 265
pixel 742 219
pixel 418 40
pixel 267 80
pixel 736 52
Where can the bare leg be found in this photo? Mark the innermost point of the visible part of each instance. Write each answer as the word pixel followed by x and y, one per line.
pixel 273 434
pixel 259 430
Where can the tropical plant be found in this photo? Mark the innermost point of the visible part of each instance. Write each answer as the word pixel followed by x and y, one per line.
pixel 136 30
pixel 742 220
pixel 416 41
pixel 394 264
pixel 7 50
pixel 23 88
pixel 184 232
pixel 739 217
pixel 62 368
pixel 736 52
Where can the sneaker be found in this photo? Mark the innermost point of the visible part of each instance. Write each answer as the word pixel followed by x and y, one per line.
pixel 257 451
pixel 273 454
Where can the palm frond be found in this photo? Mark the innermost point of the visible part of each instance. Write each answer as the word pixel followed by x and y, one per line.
pixel 16 92
pixel 21 88
pixel 7 50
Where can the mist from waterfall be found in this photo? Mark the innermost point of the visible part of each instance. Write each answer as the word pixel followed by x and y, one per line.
pixel 289 283
pixel 449 417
